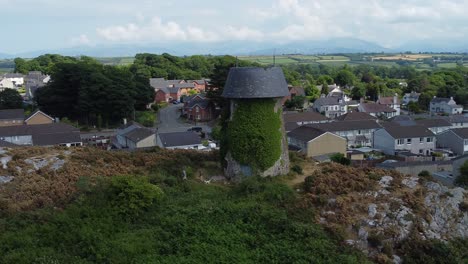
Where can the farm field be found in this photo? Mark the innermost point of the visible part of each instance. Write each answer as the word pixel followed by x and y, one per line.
pixel 388 60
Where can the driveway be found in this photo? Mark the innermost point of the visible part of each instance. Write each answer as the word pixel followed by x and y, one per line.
pixel 169 120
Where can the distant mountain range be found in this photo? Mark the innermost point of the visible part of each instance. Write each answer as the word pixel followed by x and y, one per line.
pixel 335 45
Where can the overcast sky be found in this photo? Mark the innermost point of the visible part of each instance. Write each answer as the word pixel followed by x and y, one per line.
pixel 49 24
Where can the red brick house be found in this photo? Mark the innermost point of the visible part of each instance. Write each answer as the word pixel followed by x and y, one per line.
pixel 200 85
pixel 293 91
pixel 199 109
pixel 174 93
pixel 185 88
pixel 162 95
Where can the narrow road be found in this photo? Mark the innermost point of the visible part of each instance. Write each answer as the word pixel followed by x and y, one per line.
pixel 169 120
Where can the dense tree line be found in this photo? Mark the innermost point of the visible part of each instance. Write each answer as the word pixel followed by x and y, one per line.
pixel 89 92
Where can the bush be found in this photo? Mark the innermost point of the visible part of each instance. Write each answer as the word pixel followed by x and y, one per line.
pixel 132 195
pixel 297 169
pixel 340 158
pixel 308 183
pixel 375 239
pixel 462 179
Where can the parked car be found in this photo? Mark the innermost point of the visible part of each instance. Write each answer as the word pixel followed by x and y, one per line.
pixel 195 129
pixel 175 102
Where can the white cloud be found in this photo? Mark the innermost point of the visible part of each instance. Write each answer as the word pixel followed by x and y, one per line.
pixel 387 23
pixel 81 40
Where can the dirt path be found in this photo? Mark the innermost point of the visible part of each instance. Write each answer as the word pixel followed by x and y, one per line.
pixel 308 167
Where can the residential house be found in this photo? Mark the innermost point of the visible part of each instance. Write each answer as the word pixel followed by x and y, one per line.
pixel 355 116
pixel 331 106
pixel 199 85
pixel 314 142
pixel 199 108
pixel 6 84
pixel 377 110
pixel 162 95
pixel 410 97
pixel 395 138
pixel 444 106
pixel 293 92
pixel 437 126
pixel 180 140
pixel 159 83
pixel 331 87
pixel 392 102
pixel 174 93
pixel 134 136
pixel 357 133
pixel 55 134
pixel 457 121
pixel 39 118
pixel 455 139
pixel 11 117
pixel 166 90
pixel 186 88
pixel 11 81
pixel 34 81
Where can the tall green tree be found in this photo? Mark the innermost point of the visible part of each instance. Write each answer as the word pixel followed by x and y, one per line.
pixel 10 99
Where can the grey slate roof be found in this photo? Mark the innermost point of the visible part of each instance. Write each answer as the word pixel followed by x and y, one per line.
pixel 138 134
pixel 346 125
pixel 400 118
pixel 184 85
pixel 10 114
pixel 355 116
pixel 179 139
pixel 461 132
pixel 251 82
pixel 202 103
pixel 330 100
pixel 440 100
pixel 376 108
pixel 304 117
pixel 433 123
pixel 173 89
pixel 300 90
pixel 408 131
pixel 44 135
pixel 13 75
pixel 289 126
pixel 305 133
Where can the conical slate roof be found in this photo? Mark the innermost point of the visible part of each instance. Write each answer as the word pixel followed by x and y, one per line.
pixel 252 82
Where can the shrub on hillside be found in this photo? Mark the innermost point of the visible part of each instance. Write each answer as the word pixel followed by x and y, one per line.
pixel 340 158
pixel 132 194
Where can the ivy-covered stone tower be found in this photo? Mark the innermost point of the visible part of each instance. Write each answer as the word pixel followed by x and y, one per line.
pixel 254 137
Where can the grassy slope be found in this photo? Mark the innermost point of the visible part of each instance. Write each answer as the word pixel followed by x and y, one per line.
pixel 256 222
pixel 194 223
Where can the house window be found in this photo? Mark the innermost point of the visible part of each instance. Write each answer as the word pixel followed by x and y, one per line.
pixel 198 117
pixel 408 141
pixel 359 132
pixel 326 108
pixel 197 109
pixel 400 141
pixel 421 140
pixel 429 140
pixel 466 142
